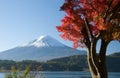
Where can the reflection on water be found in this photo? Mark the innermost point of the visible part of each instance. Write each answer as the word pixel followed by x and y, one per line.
pixel 66 74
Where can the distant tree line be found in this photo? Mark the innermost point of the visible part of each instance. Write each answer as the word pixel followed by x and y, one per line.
pixel 73 63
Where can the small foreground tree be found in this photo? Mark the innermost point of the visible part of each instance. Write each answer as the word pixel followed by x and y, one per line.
pixel 86 22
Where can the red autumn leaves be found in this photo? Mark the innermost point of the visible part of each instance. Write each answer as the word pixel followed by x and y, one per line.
pixel 97 12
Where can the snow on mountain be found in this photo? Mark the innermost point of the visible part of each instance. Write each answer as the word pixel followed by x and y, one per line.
pixel 44 41
pixel 41 49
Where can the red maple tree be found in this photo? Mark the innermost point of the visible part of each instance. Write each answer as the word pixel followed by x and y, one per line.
pixel 86 22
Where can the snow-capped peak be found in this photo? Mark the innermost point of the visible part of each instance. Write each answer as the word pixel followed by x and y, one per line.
pixel 41 37
pixel 44 41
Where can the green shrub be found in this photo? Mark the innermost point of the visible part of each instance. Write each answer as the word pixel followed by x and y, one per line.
pixel 24 74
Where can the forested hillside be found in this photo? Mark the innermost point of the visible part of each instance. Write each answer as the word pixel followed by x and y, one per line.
pixel 73 63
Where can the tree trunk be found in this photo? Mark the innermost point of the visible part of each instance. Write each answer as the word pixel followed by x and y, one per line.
pixel 97 62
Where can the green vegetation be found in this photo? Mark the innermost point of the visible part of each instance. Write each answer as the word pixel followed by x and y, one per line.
pixel 73 63
pixel 6 64
pixel 16 73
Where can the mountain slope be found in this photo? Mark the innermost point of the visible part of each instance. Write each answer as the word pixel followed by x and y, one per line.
pixel 42 49
pixel 79 63
pixel 117 54
pixel 71 63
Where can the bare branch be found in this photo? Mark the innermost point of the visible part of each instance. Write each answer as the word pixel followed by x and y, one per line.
pixel 88 29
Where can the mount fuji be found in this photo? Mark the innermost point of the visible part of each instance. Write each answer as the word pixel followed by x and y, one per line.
pixel 41 49
pixel 44 41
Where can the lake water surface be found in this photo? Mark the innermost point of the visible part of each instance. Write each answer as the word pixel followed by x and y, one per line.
pixel 70 74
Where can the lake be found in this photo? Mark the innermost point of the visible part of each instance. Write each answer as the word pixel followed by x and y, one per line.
pixel 65 74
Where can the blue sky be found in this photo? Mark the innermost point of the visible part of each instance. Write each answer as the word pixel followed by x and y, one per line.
pixel 24 20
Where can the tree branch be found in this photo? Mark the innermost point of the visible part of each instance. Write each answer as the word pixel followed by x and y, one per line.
pixel 88 29
pixel 93 41
pixel 92 6
pixel 114 10
pixel 109 5
pixel 102 53
pixel 93 57
pixel 92 66
pixel 86 37
pixel 102 57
